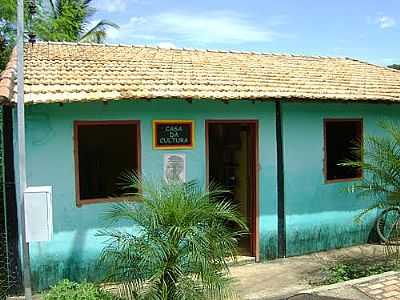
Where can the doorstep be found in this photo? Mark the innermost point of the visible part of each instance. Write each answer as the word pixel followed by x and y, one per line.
pixel 241 260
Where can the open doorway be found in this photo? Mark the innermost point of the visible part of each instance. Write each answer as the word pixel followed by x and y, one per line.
pixel 232 163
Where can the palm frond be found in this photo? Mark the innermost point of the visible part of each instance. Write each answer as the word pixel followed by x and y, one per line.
pixel 381 167
pixel 55 7
pixel 68 20
pixel 179 246
pixel 97 33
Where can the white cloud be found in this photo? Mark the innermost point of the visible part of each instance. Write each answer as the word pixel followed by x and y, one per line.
pixel 386 22
pixel 221 27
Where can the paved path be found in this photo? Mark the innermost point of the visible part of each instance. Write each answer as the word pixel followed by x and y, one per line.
pixel 281 278
pixel 386 288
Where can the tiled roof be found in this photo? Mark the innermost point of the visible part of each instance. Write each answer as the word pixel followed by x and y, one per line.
pixel 7 78
pixel 65 72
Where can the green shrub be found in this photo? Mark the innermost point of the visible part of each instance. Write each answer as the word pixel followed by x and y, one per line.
pixel 179 252
pixel 67 290
pixel 380 164
pixel 354 269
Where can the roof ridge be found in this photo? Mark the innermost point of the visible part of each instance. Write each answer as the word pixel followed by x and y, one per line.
pixel 194 49
pixel 371 64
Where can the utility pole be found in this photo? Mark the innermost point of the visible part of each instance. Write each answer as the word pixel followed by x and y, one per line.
pixel 21 150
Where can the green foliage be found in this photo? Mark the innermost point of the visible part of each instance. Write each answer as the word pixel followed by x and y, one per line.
pixel 381 167
pixel 68 20
pixel 8 10
pixel 98 33
pixel 5 53
pixel 56 20
pixel 178 245
pixel 67 290
pixel 395 66
pixel 62 21
pixel 356 269
pixel 7 30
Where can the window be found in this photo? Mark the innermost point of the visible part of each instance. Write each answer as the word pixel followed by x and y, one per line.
pixel 341 139
pixel 103 151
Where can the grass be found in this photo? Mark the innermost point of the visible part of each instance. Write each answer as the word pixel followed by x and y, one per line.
pixel 354 269
pixel 67 290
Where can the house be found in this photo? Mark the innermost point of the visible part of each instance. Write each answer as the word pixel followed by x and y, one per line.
pixel 270 127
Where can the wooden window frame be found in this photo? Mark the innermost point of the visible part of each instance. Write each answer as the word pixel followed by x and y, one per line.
pixel 325 171
pixel 80 202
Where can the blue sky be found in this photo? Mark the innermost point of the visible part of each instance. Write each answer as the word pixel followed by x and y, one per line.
pixel 367 30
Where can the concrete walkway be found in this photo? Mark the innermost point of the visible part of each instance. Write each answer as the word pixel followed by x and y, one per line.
pixel 281 278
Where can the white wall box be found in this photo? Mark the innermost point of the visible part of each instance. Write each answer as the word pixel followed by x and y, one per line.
pixel 38 213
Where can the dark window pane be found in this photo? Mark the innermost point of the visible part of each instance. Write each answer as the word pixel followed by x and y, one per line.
pixel 342 137
pixel 104 153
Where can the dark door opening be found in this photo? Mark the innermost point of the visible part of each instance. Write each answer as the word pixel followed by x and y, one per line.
pixel 10 268
pixel 232 162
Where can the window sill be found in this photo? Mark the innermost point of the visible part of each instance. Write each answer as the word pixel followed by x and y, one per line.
pixel 328 181
pixel 82 202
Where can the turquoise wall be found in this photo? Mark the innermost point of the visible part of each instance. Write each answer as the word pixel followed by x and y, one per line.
pixel 319 216
pixel 73 251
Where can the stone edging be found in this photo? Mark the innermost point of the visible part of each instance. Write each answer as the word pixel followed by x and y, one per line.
pixel 349 282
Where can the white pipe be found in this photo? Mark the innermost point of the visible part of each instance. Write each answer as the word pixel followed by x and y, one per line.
pixel 21 150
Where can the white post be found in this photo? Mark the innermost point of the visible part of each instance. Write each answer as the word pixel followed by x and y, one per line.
pixel 21 150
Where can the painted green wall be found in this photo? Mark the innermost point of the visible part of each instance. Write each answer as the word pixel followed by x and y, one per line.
pixel 73 251
pixel 319 216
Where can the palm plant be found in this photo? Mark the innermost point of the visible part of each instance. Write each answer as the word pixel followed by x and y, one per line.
pixel 381 167
pixel 68 20
pixel 56 20
pixel 178 246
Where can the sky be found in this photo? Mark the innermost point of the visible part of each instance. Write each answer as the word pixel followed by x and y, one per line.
pixel 363 29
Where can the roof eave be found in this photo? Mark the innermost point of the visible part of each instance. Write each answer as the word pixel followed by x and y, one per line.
pixel 7 79
pixel 228 100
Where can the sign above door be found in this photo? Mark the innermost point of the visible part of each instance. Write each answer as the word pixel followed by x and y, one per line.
pixel 173 134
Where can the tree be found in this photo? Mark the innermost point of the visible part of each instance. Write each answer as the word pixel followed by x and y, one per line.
pixel 381 167
pixel 394 66
pixel 7 30
pixel 68 20
pixel 178 245
pixel 56 20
